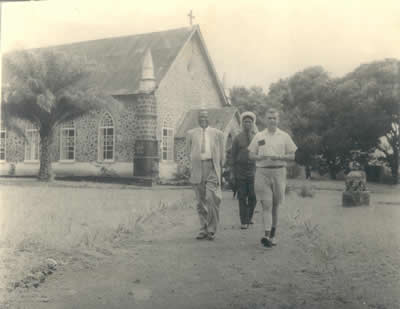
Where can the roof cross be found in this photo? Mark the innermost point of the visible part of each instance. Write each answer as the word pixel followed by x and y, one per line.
pixel 191 17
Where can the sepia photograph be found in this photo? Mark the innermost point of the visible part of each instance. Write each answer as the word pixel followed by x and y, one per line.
pixel 199 154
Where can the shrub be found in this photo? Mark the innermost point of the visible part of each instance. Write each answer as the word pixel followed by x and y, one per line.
pixel 182 173
pixel 108 172
pixel 307 190
pixel 11 170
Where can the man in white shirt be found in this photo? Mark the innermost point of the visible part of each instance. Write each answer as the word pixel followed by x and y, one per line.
pixel 207 155
pixel 272 148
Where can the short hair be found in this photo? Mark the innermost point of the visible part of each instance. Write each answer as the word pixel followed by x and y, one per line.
pixel 203 112
pixel 272 110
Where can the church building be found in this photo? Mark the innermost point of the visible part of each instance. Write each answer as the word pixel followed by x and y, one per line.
pixel 156 83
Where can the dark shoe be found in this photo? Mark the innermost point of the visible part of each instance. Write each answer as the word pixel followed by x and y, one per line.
pixel 266 242
pixel 202 235
pixel 211 236
pixel 251 222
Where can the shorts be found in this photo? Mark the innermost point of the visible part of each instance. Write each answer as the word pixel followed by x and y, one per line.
pixel 270 184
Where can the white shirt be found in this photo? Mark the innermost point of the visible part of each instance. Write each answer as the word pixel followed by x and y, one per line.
pixel 207 154
pixel 278 143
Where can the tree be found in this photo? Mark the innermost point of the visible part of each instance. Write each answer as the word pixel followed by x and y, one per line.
pixel 250 99
pixel 302 97
pixel 47 88
pixel 376 99
pixel 335 119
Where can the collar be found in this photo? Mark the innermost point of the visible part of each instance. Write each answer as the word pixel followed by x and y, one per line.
pixel 277 132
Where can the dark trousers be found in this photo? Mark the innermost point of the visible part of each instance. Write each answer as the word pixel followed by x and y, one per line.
pixel 247 199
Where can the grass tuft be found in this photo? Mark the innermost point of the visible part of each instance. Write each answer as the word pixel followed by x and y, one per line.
pixel 307 190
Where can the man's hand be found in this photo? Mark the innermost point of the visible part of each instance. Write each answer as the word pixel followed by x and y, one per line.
pixel 274 158
pixel 286 157
pixel 264 157
pixel 253 156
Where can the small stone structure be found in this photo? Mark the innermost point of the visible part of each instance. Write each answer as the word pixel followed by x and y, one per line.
pixel 356 193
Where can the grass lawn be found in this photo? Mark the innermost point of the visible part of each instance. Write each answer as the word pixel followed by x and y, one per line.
pixel 350 253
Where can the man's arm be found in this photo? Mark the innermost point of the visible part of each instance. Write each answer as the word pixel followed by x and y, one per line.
pixel 222 147
pixel 253 156
pixel 290 150
pixel 257 157
pixel 286 157
pixel 235 150
pixel 189 143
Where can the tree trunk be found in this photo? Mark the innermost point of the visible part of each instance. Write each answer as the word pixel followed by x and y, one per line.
pixel 332 171
pixel 45 161
pixel 395 166
pixel 308 171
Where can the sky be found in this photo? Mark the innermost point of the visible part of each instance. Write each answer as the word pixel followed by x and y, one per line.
pixel 253 42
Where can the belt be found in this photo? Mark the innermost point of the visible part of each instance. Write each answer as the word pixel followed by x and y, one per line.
pixel 205 160
pixel 277 166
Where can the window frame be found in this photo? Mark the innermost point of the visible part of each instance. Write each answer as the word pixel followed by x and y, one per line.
pixel 101 139
pixel 170 144
pixel 31 130
pixel 63 128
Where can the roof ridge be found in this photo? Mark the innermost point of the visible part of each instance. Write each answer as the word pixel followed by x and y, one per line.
pixel 111 38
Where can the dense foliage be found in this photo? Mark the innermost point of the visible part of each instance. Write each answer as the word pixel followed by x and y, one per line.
pixel 336 121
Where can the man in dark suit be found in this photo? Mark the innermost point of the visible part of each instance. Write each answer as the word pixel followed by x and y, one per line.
pixel 245 169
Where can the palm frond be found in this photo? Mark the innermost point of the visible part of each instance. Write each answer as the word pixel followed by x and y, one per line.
pixel 11 124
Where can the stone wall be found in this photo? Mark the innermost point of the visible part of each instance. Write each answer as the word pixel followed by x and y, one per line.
pixel 15 145
pixel 181 156
pixel 146 121
pixel 86 142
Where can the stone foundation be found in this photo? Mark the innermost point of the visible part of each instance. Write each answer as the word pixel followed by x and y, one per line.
pixel 355 198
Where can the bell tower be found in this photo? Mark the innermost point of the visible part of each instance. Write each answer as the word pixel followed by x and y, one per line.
pixel 146 157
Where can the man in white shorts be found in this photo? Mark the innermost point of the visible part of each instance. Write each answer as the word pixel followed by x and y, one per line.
pixel 272 148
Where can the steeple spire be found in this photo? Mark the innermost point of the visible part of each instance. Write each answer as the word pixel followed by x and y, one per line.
pixel 147 80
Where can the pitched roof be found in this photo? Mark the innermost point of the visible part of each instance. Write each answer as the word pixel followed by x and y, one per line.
pixel 119 60
pixel 218 118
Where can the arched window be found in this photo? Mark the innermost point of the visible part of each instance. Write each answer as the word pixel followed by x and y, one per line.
pixel 106 138
pixel 67 141
pixel 167 144
pixel 2 143
pixel 32 143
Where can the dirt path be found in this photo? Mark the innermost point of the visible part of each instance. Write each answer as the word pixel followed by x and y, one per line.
pixel 326 263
